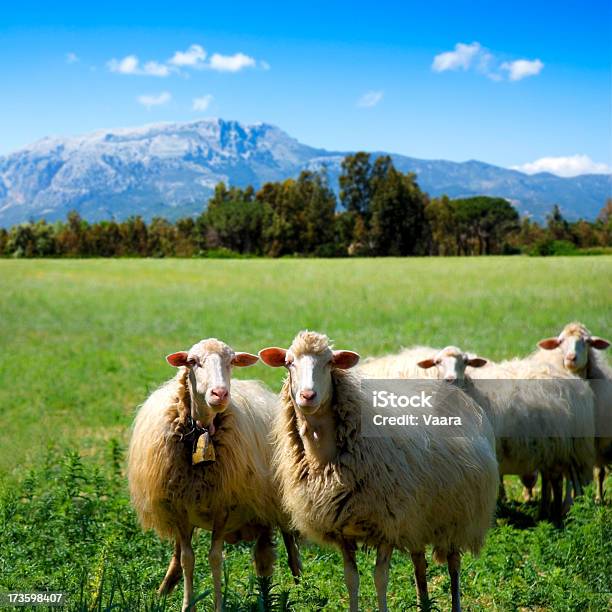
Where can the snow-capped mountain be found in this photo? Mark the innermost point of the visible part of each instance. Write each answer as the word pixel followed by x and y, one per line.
pixel 171 169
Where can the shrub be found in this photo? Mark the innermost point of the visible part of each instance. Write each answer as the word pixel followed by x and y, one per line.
pixel 554 247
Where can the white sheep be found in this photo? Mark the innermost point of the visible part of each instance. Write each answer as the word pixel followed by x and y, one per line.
pixel 398 365
pixel 404 491
pixel 200 456
pixel 528 398
pixel 579 353
pixel 405 365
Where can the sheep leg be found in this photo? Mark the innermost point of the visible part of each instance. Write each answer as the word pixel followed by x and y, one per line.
pixel 572 484
pixel 173 574
pixel 293 555
pixel 501 491
pixel 599 474
pixel 557 500
pixel 351 575
pixel 568 500
pixel 576 481
pixel 529 482
pixel 264 556
pixel 454 566
pixel 420 575
pixel 264 553
pixel 215 558
pixel 545 498
pixel 187 563
pixel 381 574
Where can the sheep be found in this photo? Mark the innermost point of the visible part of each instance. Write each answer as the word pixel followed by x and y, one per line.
pixel 578 352
pixel 563 411
pixel 404 491
pixel 400 365
pixel 200 456
pixel 405 365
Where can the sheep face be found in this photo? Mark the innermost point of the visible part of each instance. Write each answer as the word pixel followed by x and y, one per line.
pixel 309 361
pixel 451 363
pixel 574 343
pixel 210 369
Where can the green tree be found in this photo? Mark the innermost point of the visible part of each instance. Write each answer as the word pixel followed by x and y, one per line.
pixel 344 227
pixel 483 224
pixel 236 223
pixel 105 240
pixel 135 237
pixel 21 241
pixel 319 205
pixel 186 237
pixel 604 224
pixel 440 218
pixel 398 211
pixel 355 184
pixel 558 228
pixel 72 236
pixel 161 236
pixel 529 234
pixel 285 229
pixel 3 241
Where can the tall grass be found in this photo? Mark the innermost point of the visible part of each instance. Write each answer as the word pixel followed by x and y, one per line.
pixel 66 525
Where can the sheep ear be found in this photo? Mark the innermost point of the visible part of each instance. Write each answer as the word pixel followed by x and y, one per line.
pixel 598 343
pixel 273 356
pixel 549 344
pixel 476 362
pixel 344 359
pixel 244 359
pixel 426 363
pixel 177 359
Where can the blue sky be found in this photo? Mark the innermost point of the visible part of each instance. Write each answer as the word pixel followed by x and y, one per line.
pixel 510 83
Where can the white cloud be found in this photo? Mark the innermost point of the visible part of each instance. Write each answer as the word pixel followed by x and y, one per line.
pixel 72 58
pixel 571 165
pixel 127 65
pixel 231 63
pixel 462 57
pixel 478 58
pixel 156 69
pixel 202 103
pixel 151 100
pixel 519 69
pixel 130 64
pixel 194 56
pixel 370 99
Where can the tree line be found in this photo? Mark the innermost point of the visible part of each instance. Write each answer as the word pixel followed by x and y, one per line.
pixel 381 212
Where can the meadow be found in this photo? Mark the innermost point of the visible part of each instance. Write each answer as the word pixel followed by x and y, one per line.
pixel 83 343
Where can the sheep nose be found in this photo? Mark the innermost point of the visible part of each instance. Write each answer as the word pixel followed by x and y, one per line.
pixel 571 357
pixel 308 394
pixel 219 392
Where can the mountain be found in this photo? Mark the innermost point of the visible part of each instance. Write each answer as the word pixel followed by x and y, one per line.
pixel 171 169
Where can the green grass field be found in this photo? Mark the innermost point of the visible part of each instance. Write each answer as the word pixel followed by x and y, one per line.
pixel 83 343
